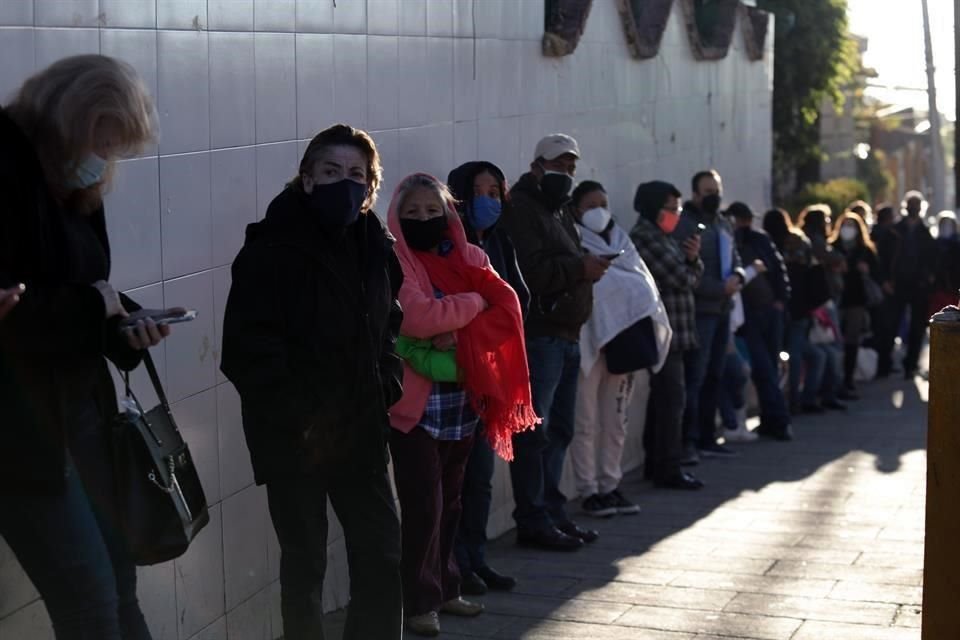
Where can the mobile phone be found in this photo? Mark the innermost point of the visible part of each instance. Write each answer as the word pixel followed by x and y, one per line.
pixel 161 317
pixel 612 256
pixel 700 229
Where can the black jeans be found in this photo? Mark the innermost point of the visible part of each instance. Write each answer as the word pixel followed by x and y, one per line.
pixel 477 495
pixel 365 507
pixel 663 435
pixel 69 548
pixel 918 303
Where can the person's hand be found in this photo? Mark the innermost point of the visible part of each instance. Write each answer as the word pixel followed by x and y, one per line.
pixel 732 285
pixel 594 267
pixel 145 334
pixel 9 299
pixel 445 341
pixel 760 266
pixel 888 288
pixel 863 267
pixel 691 247
pixel 111 299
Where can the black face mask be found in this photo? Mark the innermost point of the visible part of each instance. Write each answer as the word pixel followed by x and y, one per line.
pixel 710 204
pixel 913 212
pixel 424 235
pixel 338 204
pixel 556 187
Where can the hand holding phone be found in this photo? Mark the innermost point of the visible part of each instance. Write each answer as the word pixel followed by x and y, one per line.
pixel 160 317
pixel 612 256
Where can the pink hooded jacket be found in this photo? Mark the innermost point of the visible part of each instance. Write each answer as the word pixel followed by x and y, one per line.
pixel 425 316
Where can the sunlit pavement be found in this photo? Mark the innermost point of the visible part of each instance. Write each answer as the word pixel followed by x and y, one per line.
pixel 820 538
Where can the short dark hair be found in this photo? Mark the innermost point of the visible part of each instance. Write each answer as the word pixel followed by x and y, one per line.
pixel 885 214
pixel 699 175
pixel 584 188
pixel 740 210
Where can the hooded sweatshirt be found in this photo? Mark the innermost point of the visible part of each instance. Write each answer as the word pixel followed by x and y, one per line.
pixel 426 316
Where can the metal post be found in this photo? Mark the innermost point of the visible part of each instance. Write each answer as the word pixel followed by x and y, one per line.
pixel 938 166
pixel 941 578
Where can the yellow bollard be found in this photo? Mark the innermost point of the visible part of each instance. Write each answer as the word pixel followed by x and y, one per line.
pixel 941 577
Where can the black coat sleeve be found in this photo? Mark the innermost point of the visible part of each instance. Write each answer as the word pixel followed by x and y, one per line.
pixel 391 365
pixel 255 352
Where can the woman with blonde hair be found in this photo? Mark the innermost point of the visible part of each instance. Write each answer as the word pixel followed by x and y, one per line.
pixel 62 133
pixel 453 298
pixel 851 239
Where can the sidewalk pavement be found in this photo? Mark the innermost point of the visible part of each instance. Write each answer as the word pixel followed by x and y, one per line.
pixel 817 539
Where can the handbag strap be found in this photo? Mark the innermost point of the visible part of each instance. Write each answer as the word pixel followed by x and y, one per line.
pixel 154 379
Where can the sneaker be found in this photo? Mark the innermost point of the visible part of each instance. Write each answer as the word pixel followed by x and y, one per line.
pixel 739 435
pixel 599 506
pixel 427 625
pixel 689 457
pixel 623 506
pixel 462 608
pixel 716 450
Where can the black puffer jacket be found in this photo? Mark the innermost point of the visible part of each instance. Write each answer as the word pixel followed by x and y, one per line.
pixel 54 343
pixel 308 340
pixel 550 257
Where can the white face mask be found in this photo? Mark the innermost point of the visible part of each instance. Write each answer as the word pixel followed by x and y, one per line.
pixel 596 219
pixel 848 234
pixel 89 172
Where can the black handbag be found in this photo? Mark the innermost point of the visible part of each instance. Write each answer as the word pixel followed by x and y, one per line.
pixel 633 349
pixel 160 502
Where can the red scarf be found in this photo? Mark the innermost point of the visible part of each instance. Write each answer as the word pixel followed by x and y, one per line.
pixel 490 350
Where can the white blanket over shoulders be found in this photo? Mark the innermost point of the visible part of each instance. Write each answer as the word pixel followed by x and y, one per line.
pixel 626 294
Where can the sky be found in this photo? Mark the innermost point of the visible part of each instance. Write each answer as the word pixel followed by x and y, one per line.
pixel 894 29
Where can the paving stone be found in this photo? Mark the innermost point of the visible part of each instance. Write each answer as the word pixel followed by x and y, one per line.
pixel 774 585
pixel 553 630
pixel 676 597
pixel 690 621
pixel 908 616
pixel 876 575
pixel 813 609
pixel 774 552
pixel 813 630
pixel 865 592
pixel 897 561
pixel 566 609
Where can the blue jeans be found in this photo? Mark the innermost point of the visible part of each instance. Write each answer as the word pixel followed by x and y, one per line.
pixel 798 340
pixel 824 373
pixel 476 497
pixel 763 332
pixel 703 369
pixel 69 549
pixel 732 396
pixel 539 453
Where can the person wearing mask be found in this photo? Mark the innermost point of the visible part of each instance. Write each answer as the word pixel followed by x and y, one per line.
pixel 308 341
pixel 808 291
pixel 765 301
pixel 913 278
pixel 815 222
pixel 479 188
pixel 722 278
pixel 624 297
pixel 62 133
pixel 946 280
pixel 452 297
pixel 560 277
pixel 865 211
pixel 851 240
pixel 676 270
pixel 887 241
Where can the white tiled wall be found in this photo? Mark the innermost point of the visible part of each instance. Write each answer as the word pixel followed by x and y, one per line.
pixel 240 86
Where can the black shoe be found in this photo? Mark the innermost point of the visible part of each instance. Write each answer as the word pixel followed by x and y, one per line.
pixel 584 535
pixel 783 434
pixel 682 480
pixel 846 394
pixel 598 506
pixel 496 581
pixel 813 407
pixel 623 506
pixel 551 539
pixel 715 450
pixel 472 584
pixel 833 405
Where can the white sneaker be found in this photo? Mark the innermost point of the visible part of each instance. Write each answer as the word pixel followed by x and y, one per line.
pixel 741 433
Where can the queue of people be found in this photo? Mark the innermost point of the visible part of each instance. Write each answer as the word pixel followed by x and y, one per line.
pixel 479 320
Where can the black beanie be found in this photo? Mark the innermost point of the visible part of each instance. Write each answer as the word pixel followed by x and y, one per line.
pixel 650 198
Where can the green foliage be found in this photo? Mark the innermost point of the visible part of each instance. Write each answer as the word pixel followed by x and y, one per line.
pixel 837 193
pixel 873 172
pixel 813 58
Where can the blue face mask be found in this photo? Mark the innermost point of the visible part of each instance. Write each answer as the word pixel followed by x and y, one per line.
pixel 484 213
pixel 89 172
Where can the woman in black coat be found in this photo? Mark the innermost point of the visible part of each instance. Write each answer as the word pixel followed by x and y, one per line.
pixel 480 188
pixel 308 340
pixel 851 239
pixel 61 133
